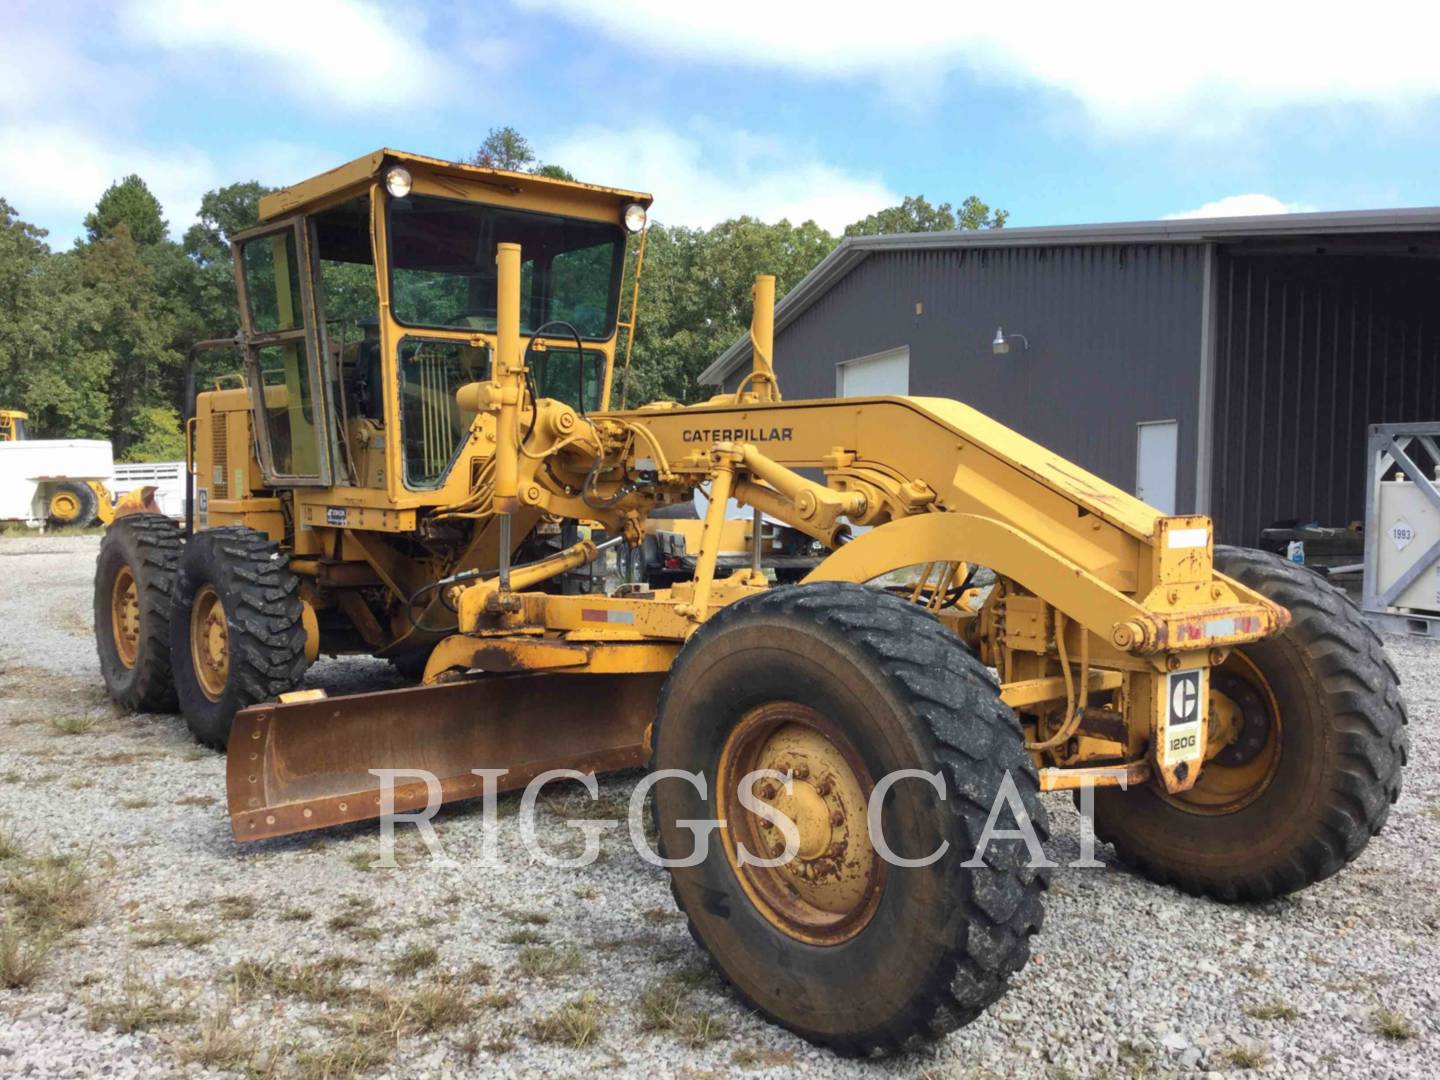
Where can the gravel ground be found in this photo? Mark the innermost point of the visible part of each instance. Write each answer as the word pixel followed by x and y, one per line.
pixel 182 951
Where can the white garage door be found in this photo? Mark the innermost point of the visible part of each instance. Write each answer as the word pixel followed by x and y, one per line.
pixel 868 376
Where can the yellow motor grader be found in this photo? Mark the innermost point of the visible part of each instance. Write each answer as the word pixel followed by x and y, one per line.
pixel 428 455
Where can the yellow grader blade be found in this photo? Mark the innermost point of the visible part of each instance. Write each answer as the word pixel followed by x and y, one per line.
pixel 306 764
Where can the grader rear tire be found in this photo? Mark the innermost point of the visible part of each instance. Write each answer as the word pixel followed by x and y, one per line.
pixel 236 631
pixel 1315 769
pixel 840 686
pixel 134 579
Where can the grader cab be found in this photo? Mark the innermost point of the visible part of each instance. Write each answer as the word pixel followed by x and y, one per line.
pixel 427 455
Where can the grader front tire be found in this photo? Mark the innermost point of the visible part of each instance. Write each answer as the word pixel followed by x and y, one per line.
pixel 236 631
pixel 134 580
pixel 1323 700
pixel 841 685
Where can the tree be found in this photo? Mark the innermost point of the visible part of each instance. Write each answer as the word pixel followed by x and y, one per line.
pixel 223 213
pixel 554 172
pixel 208 281
pixel 158 435
pixel 127 202
pixel 504 148
pixel 916 214
pixel 133 326
pixel 695 296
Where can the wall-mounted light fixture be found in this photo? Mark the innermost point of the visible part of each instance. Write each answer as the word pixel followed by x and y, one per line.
pixel 1001 344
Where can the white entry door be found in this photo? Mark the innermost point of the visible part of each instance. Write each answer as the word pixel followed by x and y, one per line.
pixel 1157 460
pixel 873 376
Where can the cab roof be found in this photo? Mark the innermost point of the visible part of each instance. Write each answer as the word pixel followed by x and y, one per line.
pixel 297 197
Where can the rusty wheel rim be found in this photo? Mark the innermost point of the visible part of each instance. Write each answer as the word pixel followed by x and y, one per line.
pixel 209 642
pixel 64 506
pixel 1237 770
pixel 829 890
pixel 125 616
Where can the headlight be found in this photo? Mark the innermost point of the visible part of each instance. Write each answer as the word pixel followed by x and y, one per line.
pixel 397 182
pixel 634 217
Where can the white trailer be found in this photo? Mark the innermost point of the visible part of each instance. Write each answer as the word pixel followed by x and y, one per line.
pixel 55 479
pixel 166 477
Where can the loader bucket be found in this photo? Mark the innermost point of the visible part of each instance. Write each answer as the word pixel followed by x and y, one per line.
pixel 306 764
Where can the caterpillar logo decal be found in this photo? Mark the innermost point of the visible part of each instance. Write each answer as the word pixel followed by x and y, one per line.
pixel 746 434
pixel 1185 694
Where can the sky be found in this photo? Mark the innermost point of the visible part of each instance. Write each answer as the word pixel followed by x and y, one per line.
pixel 1061 113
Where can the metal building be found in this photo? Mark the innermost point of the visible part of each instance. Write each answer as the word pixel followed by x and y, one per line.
pixel 1227 366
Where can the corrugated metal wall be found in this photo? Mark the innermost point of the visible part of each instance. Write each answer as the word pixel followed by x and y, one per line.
pixel 1114 337
pixel 1310 349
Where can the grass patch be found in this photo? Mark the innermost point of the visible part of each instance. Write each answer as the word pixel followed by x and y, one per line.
pixel 669 1008
pixel 73 724
pixel 9 847
pixel 586 892
pixel 195 800
pixel 52 891
pixel 477 974
pixel 437 1006
pixel 545 962
pixel 353 1054
pixel 499 999
pixel 384 1016
pixel 657 916
pixel 524 936
pixel 1247 1057
pixel 318 981
pixel 415 959
pixel 1273 1010
pixel 172 931
pixel 136 804
pixel 23 952
pixel 125 757
pixel 530 918
pixel 749 1058
pixel 217 1044
pixel 237 907
pixel 142 1004
pixel 296 914
pixel 1393 1025
pixel 576 1024
pixel 353 918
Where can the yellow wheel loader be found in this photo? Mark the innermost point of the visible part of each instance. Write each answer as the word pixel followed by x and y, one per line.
pixel 428 456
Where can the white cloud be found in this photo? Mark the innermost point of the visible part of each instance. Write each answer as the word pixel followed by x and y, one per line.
pixel 1243 206
pixel 1133 64
pixel 708 174
pixel 55 173
pixel 348 53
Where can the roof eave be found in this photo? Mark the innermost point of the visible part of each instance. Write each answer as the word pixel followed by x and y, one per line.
pixel 296 196
pixel 853 250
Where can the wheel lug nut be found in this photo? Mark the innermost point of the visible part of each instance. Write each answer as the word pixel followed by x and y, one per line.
pixel 824 787
pixel 801 772
pixel 837 818
pixel 769 791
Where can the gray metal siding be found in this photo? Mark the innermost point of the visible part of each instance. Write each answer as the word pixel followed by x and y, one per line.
pixel 1114 335
pixel 1310 350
